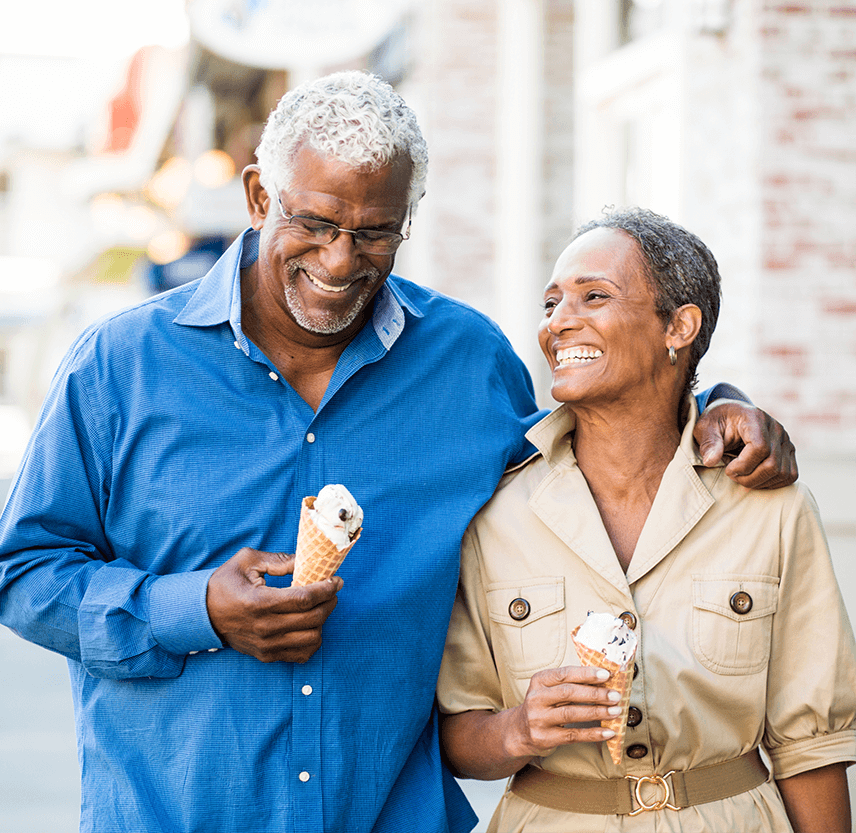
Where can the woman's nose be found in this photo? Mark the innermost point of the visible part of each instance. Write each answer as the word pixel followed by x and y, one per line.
pixel 563 318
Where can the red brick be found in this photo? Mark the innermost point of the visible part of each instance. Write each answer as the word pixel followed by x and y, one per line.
pixel 839 307
pixel 831 419
pixel 784 351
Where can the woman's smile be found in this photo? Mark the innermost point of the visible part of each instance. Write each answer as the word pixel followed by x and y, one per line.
pixel 577 355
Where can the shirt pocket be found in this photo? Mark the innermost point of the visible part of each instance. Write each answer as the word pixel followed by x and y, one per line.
pixel 725 640
pixel 529 622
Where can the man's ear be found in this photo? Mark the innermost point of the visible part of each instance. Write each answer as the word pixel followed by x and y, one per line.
pixel 257 198
pixel 684 326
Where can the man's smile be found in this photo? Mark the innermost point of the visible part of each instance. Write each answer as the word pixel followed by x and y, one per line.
pixel 326 286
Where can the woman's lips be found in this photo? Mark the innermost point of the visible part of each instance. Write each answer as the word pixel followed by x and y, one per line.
pixel 578 355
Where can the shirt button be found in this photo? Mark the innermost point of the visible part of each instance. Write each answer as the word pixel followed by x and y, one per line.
pixel 310 437
pixel 304 776
pixel 629 619
pixel 237 345
pixel 741 602
pixel 637 751
pixel 273 376
pixel 519 609
pixel 634 716
pixel 635 670
pixel 307 690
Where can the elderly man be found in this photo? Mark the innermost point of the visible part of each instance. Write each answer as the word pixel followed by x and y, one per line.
pixel 144 535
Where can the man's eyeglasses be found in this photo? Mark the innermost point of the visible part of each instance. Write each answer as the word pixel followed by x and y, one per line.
pixel 320 233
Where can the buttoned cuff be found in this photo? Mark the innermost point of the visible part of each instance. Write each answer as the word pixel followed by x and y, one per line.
pixel 794 758
pixel 179 614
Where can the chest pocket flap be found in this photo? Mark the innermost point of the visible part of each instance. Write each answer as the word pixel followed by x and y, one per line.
pixel 529 622
pixel 732 621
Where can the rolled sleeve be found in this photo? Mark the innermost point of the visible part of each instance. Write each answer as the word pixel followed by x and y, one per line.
pixel 811 687
pixel 179 613
pixel 802 756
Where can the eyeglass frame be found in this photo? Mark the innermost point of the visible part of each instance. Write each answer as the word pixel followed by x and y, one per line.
pixel 337 229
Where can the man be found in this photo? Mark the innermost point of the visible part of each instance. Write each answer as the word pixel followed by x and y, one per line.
pixel 144 534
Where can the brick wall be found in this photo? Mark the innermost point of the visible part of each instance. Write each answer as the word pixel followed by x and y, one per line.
pixel 807 177
pixel 455 82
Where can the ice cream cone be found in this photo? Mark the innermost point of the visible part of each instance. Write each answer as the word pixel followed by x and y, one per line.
pixel 317 556
pixel 621 680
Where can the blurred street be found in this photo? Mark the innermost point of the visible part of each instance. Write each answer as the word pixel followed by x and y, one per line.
pixel 39 791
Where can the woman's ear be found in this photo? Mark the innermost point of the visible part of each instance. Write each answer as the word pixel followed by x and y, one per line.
pixel 257 198
pixel 684 326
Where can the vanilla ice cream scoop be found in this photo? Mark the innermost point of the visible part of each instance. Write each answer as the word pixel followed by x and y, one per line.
pixel 608 634
pixel 337 514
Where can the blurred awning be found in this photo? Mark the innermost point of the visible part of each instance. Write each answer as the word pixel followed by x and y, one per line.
pixel 293 34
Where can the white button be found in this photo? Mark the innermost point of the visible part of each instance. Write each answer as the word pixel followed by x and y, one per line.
pixel 273 376
pixel 212 650
pixel 310 437
pixel 304 776
pixel 307 690
pixel 191 653
pixel 237 345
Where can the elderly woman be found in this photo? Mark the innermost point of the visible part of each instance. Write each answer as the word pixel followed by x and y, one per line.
pixel 743 639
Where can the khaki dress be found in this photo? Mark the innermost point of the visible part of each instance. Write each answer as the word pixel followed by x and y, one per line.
pixel 712 683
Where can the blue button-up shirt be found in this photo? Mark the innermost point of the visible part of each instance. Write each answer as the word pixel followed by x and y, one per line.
pixel 167 442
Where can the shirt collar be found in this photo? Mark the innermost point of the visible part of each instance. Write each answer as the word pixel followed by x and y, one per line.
pixel 552 435
pixel 218 297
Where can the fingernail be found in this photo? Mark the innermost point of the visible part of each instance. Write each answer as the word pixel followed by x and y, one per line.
pixel 614 696
pixel 608 733
pixel 614 709
pixel 602 674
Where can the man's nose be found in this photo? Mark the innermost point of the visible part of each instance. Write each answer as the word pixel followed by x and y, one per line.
pixel 340 256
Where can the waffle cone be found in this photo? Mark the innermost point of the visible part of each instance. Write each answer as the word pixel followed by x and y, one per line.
pixel 317 557
pixel 620 681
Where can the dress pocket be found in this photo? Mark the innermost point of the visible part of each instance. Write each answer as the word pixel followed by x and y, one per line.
pixel 529 622
pixel 733 621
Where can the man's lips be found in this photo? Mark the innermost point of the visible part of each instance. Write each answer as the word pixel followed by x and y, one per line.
pixel 326 286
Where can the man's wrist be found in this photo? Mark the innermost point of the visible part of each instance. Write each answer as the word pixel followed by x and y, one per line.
pixel 179 615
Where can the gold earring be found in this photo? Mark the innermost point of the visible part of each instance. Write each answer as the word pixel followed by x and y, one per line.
pixel 673 355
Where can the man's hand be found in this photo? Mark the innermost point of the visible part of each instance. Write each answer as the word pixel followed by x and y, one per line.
pixel 768 457
pixel 273 624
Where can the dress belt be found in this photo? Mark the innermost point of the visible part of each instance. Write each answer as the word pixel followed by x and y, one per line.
pixel 631 796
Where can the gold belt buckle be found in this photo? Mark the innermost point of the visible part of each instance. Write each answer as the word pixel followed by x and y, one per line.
pixel 660 781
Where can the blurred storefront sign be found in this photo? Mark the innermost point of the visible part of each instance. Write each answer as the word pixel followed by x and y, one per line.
pixel 293 34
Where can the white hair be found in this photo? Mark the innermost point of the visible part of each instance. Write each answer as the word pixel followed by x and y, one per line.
pixel 353 117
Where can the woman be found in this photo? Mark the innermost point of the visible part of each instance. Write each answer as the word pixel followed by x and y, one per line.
pixel 743 639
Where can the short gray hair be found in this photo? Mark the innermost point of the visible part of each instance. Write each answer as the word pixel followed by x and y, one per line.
pixel 353 117
pixel 679 268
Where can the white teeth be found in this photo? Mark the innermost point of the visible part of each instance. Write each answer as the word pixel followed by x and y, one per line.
pixel 327 287
pixel 578 355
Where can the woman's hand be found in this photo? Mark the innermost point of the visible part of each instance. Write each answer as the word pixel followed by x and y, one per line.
pixel 558 697
pixel 488 745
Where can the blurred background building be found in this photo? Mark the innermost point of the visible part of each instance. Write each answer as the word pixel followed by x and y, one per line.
pixel 120 177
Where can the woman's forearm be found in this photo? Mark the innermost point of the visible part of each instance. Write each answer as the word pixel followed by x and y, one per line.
pixel 476 745
pixel 818 801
